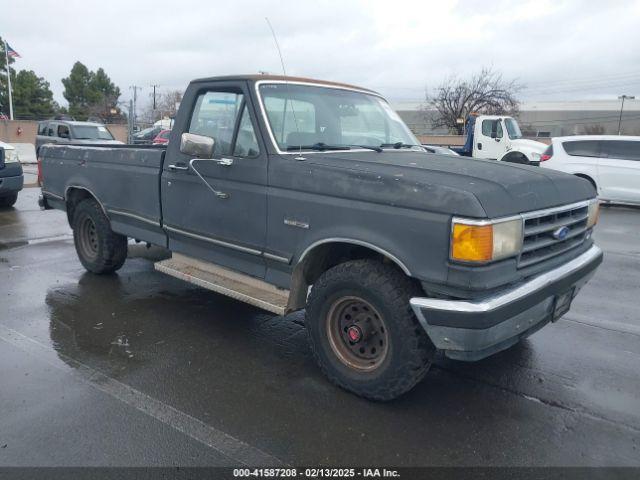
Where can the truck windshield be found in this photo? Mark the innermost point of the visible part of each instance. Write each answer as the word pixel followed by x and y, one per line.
pixel 304 116
pixel 91 132
pixel 512 128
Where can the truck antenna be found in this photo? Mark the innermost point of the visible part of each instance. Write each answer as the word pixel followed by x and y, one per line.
pixel 286 82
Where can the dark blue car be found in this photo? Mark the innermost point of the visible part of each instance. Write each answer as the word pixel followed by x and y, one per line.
pixel 11 176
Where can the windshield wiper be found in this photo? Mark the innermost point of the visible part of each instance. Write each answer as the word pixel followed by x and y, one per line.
pixel 369 147
pixel 320 146
pixel 398 145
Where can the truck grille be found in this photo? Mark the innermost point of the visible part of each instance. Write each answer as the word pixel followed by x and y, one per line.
pixel 539 243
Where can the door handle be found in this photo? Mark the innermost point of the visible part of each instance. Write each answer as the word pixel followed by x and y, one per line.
pixel 174 167
pixel 225 162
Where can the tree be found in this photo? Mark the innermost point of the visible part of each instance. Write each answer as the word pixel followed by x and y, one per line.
pixel 91 94
pixel 4 96
pixel 166 106
pixel 485 92
pixel 32 97
pixel 594 129
pixel 106 108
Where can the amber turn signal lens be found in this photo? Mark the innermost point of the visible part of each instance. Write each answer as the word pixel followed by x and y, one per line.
pixel 472 243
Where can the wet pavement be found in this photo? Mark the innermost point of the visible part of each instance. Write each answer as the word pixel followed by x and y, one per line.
pixel 140 369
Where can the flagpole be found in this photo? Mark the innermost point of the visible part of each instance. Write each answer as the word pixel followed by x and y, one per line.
pixel 6 56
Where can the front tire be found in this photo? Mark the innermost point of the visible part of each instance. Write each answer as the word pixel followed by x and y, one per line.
pixel 9 200
pixel 363 333
pixel 99 248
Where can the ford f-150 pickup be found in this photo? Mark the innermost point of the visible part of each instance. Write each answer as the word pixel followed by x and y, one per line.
pixel 291 194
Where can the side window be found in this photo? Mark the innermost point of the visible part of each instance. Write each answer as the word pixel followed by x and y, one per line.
pixel 215 116
pixel 621 149
pixel 51 132
pixel 42 128
pixel 246 141
pixel 489 125
pixel 63 131
pixel 582 148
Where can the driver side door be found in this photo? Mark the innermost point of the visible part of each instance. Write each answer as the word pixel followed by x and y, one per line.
pixel 215 208
pixel 489 143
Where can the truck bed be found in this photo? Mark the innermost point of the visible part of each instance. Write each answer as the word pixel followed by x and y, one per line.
pixel 126 179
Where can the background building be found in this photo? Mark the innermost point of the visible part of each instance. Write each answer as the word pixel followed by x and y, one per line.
pixel 546 119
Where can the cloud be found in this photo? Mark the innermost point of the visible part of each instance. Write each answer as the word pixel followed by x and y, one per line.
pixel 397 47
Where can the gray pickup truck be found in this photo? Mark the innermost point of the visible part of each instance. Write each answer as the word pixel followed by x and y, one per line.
pixel 293 194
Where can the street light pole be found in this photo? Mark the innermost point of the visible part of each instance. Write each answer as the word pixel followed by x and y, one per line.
pixel 623 98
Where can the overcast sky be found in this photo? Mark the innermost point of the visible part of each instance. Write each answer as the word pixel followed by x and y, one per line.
pixel 559 49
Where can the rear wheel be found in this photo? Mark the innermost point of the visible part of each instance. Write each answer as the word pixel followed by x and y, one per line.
pixel 9 200
pixel 363 332
pixel 99 248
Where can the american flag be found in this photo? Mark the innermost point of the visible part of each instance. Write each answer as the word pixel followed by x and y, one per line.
pixel 11 52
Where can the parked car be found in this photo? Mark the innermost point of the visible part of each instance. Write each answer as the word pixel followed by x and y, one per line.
pixel 498 137
pixel 147 135
pixel 68 131
pixel 335 208
pixel 11 176
pixel 162 138
pixel 610 162
pixel 440 150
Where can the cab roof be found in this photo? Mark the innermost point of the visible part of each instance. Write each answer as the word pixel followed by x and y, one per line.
pixel 266 77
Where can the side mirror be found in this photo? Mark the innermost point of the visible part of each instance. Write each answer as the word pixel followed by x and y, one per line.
pixel 198 146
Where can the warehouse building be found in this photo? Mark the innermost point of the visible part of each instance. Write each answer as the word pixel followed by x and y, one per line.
pixel 546 119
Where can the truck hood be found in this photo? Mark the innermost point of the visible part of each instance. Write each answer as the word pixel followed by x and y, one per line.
pixel 523 144
pixel 443 183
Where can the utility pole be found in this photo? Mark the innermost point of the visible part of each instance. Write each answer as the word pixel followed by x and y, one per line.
pixel 6 56
pixel 154 100
pixel 135 89
pixel 623 98
pixel 130 133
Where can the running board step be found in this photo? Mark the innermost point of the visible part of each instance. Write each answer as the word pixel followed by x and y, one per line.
pixel 226 282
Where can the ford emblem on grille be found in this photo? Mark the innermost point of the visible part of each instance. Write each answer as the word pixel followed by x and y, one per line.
pixel 560 233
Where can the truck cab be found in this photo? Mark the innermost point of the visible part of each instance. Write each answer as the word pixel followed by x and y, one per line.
pixel 498 137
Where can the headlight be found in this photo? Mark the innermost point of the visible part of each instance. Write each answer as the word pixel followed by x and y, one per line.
pixel 594 213
pixel 482 241
pixel 11 156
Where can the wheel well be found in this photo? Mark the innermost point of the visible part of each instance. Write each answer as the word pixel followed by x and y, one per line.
pixel 588 178
pixel 515 157
pixel 325 256
pixel 73 197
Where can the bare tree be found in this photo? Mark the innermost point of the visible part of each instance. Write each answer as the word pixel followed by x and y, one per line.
pixel 166 106
pixel 485 92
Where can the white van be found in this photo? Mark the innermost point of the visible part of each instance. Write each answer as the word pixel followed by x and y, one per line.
pixel 610 162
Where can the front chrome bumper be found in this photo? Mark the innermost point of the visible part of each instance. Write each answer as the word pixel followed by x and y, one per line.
pixel 474 329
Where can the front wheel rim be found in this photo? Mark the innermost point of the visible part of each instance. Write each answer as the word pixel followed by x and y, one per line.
pixel 357 333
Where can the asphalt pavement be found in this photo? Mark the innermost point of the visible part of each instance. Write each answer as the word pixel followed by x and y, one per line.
pixel 140 369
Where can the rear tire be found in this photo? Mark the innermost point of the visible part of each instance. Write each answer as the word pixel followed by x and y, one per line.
pixel 99 248
pixel 9 200
pixel 363 333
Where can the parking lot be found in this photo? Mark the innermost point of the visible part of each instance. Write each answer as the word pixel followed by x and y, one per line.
pixel 140 369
